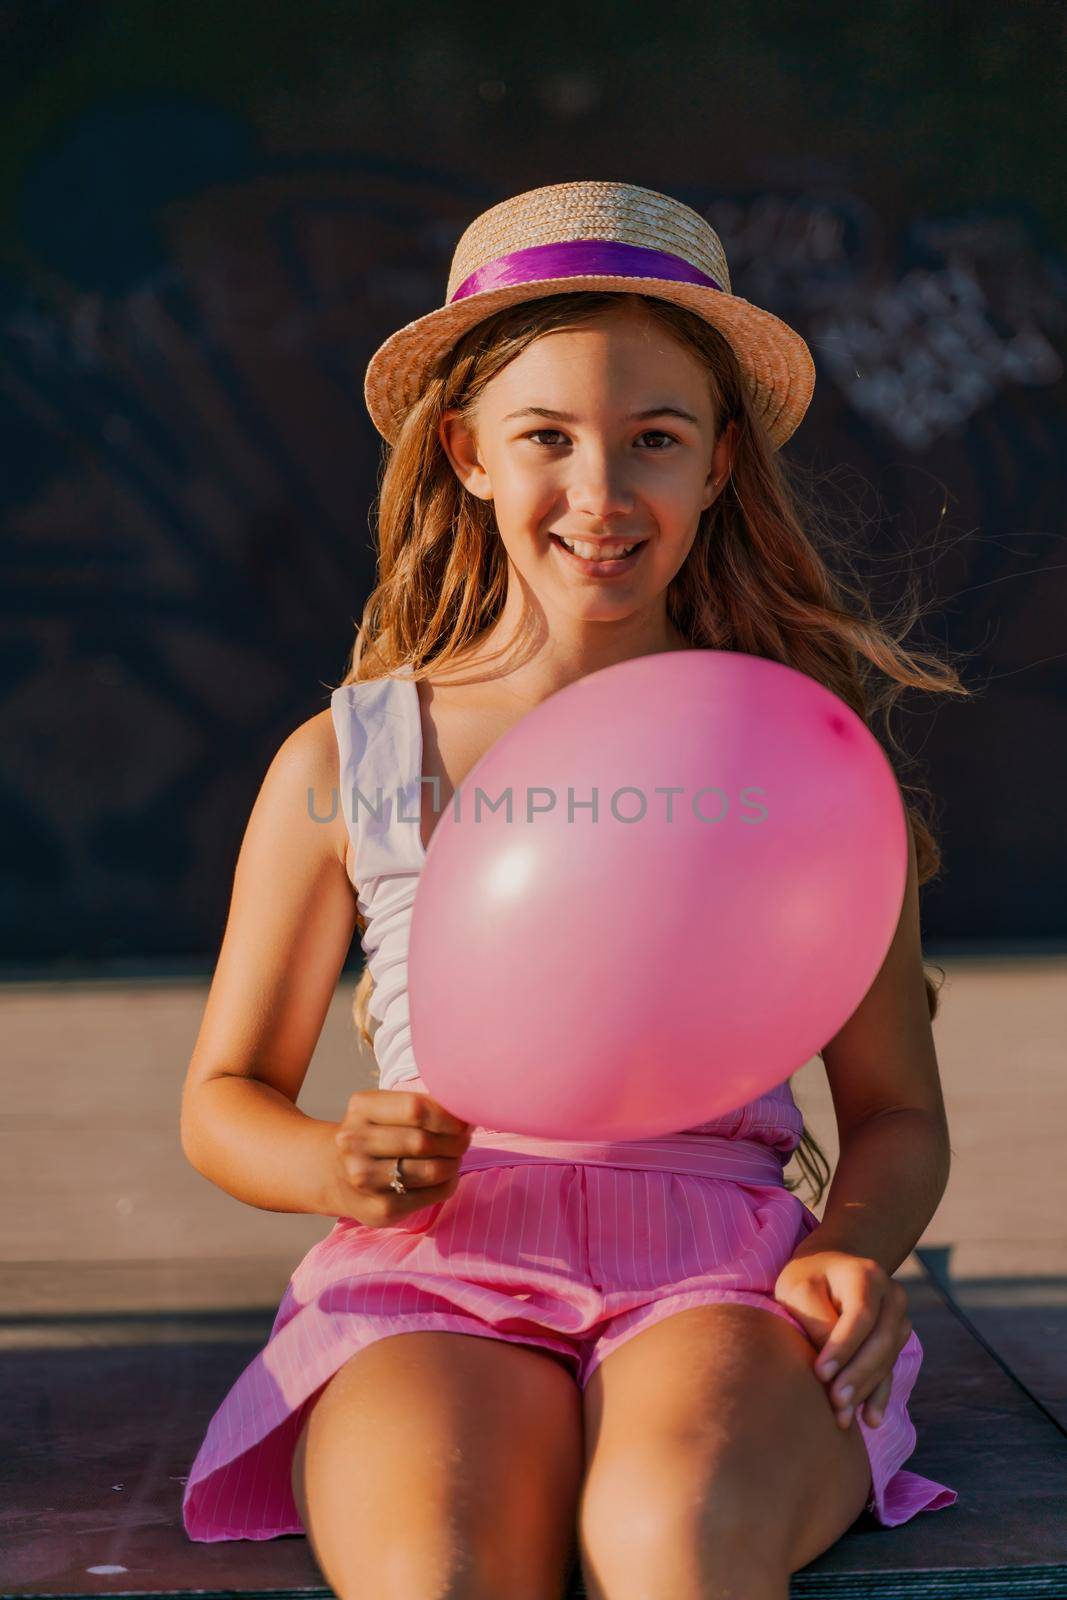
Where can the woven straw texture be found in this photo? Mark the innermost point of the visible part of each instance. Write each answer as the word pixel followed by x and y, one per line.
pixel 775 361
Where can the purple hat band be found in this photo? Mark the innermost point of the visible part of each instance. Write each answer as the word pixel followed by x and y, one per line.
pixel 608 257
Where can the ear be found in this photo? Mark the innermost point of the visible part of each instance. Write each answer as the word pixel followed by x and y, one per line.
pixel 461 448
pixel 721 463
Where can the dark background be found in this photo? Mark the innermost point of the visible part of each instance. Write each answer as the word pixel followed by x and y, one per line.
pixel 212 214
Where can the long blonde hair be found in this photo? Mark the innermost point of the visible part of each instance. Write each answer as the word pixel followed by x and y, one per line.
pixel 758 578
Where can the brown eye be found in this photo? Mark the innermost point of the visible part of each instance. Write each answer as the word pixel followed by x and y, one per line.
pixel 554 433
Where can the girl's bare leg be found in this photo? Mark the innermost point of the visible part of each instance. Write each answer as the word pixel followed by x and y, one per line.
pixel 439 1464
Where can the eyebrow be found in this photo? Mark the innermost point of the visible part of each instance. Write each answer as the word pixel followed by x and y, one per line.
pixel 635 416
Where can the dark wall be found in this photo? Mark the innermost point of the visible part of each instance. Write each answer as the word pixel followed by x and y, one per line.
pixel 210 215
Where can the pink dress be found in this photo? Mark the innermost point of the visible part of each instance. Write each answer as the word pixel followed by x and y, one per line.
pixel 570 1246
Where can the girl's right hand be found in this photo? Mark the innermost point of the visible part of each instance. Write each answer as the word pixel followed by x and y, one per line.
pixel 378 1126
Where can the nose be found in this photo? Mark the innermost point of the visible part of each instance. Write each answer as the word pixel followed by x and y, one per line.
pixel 597 484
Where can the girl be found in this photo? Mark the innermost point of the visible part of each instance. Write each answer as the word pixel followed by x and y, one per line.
pixel 510 1352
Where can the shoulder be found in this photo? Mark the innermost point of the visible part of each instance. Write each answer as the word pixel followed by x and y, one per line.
pixel 304 777
pixel 311 749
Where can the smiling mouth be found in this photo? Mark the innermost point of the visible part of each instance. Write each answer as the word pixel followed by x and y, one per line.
pixel 600 566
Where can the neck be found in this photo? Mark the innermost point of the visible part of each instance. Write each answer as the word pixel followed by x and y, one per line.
pixel 532 667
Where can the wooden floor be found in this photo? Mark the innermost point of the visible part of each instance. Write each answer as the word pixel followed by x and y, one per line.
pixel 133 1290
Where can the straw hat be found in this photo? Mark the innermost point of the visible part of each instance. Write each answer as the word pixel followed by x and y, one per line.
pixel 594 235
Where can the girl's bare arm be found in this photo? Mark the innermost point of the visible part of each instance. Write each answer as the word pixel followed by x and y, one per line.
pixel 894 1137
pixel 290 925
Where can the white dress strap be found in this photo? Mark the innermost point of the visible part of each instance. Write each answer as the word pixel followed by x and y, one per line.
pixel 379 753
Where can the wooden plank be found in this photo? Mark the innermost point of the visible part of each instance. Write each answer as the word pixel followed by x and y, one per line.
pixel 1021 1319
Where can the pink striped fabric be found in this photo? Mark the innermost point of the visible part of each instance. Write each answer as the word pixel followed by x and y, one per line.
pixel 539 1246
pixel 567 1246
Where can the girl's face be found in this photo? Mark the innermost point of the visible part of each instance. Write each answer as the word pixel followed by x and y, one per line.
pixel 599 433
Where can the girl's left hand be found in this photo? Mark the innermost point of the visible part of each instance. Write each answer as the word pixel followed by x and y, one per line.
pixel 856 1316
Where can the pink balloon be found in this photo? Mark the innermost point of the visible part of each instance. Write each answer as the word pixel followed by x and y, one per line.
pixel 633 972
